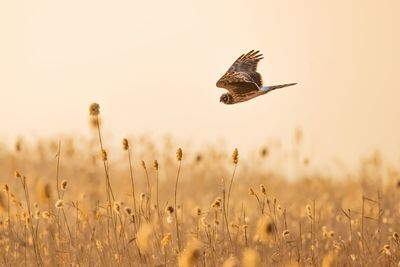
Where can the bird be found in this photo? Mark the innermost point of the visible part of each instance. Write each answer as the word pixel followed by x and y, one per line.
pixel 242 80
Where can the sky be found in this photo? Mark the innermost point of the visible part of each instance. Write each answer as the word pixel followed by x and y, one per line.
pixel 152 66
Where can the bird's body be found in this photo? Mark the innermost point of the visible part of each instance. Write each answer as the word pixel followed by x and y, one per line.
pixel 242 80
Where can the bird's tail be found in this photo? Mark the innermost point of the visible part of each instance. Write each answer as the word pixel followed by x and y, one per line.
pixel 273 87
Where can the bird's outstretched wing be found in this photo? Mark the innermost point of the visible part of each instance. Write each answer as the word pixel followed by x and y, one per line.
pixel 242 76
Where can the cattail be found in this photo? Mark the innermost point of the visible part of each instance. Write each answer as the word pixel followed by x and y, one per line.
pixel 94 109
pixel 251 258
pixel 191 255
pixel 262 189
pixel 125 144
pixel 235 156
pixel 166 240
pixel 103 154
pixel 144 238
pixel 265 229
pixel 64 184
pixel 179 154
pixel 144 164
pixel 128 210
pixel 169 210
pixel 231 262
pixel 155 165
pixel 59 204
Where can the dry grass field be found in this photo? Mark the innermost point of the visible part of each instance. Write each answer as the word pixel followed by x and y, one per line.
pixel 151 203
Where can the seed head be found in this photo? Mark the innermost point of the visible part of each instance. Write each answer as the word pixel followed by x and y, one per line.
pixel 155 165
pixel 169 210
pixel 46 215
pixel 285 233
pixel 262 189
pixel 235 156
pixel 17 175
pixel 166 240
pixel 125 144
pixel 395 236
pixel 64 184
pixel 59 204
pixel 251 192
pixel 5 188
pixel 104 155
pixel 144 164
pixel 128 210
pixel 117 207
pixel 179 154
pixel 94 109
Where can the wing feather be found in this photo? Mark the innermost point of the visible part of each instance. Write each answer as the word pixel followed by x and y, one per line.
pixel 242 71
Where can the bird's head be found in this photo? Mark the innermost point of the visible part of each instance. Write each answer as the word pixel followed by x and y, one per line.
pixel 226 99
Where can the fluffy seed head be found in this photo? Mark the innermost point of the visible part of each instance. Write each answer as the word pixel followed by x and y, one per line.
pixel 191 255
pixel 128 210
pixel 17 175
pixel 235 156
pixel 59 204
pixel 117 207
pixel 262 189
pixel 179 154
pixel 125 144
pixel 166 240
pixel 169 210
pixel 103 154
pixel 94 109
pixel 155 165
pixel 64 184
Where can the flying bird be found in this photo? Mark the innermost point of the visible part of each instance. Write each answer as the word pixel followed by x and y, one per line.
pixel 242 80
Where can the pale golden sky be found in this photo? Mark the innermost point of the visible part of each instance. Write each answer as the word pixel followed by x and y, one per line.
pixel 152 66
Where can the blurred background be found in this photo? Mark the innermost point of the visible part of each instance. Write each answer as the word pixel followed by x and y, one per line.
pixel 152 66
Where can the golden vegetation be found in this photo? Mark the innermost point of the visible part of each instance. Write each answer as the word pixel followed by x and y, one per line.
pixel 92 206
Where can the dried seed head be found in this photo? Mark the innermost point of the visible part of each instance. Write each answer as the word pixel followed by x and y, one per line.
pixel 142 196
pixel 197 211
pixel 59 204
pixel 125 144
pixel 386 250
pixel 235 156
pixel 251 192
pixel 395 236
pixel 128 210
pixel 17 175
pixel 285 233
pixel 94 109
pixel 155 165
pixel 6 189
pixel 117 207
pixel 103 154
pixel 64 184
pixel 166 240
pixel 262 189
pixel 144 164
pixel 179 154
pixel 169 210
pixel 46 215
pixel 217 203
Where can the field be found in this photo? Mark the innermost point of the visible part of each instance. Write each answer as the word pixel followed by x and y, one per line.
pixel 151 203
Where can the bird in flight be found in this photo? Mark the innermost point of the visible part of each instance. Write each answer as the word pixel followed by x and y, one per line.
pixel 242 80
